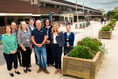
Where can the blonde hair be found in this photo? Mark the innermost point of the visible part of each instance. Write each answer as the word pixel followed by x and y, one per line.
pixel 23 23
pixel 55 25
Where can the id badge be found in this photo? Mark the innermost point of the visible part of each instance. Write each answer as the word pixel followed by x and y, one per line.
pixel 27 40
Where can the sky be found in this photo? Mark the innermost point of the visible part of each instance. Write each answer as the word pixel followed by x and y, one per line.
pixel 107 5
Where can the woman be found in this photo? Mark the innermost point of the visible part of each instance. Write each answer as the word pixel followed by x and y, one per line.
pixel 24 42
pixel 48 27
pixel 9 43
pixel 69 40
pixel 57 42
pixel 14 31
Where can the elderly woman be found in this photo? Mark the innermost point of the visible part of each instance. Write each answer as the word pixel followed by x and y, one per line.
pixel 9 43
pixel 24 42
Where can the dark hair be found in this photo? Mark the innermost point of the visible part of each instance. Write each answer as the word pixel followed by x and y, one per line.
pixel 32 19
pixel 45 22
pixel 9 27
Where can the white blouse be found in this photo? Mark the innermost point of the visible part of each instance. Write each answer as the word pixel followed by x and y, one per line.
pixel 54 39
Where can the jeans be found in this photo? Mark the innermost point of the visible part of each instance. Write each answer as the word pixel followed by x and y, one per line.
pixel 41 56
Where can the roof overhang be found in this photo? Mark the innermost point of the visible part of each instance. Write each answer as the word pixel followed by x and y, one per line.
pixel 19 14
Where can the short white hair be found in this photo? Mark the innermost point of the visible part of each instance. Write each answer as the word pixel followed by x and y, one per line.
pixel 13 23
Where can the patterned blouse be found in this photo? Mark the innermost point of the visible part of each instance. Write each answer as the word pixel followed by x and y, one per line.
pixel 24 37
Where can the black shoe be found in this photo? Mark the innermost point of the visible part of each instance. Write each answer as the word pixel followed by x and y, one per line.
pixel 11 74
pixel 48 64
pixel 21 65
pixel 29 70
pixel 25 71
pixel 17 72
pixel 30 65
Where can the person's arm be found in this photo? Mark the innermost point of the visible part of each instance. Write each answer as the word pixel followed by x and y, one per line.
pixel 45 39
pixel 73 37
pixel 20 40
pixel 33 41
pixel 5 44
pixel 15 46
pixel 63 39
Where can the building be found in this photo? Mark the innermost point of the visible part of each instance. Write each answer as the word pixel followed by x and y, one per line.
pixel 18 10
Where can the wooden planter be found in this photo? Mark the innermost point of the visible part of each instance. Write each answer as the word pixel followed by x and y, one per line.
pixel 112 27
pixel 83 68
pixel 105 34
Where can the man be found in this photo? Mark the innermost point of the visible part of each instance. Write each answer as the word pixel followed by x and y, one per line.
pixel 31 28
pixel 39 37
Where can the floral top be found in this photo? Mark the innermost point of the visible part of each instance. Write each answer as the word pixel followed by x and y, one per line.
pixel 24 38
pixel 9 43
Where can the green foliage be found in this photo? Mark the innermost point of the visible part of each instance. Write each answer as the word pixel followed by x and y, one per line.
pixel 0 42
pixel 81 52
pixel 86 48
pixel 91 43
pixel 110 24
pixel 98 42
pixel 103 49
pixel 105 28
pixel 113 14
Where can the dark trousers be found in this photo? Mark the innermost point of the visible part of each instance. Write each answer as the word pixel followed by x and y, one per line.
pixel 11 58
pixel 26 57
pixel 50 59
pixel 67 49
pixel 19 55
pixel 57 53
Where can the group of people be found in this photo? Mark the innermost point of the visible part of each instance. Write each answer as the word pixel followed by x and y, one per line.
pixel 47 41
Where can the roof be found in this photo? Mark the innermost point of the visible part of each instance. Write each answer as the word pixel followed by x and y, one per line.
pixel 69 4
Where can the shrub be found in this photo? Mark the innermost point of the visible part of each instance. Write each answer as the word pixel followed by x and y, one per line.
pixel 86 48
pixel 81 52
pixel 91 43
pixel 106 28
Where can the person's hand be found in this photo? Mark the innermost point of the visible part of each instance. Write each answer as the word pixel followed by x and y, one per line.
pixel 68 45
pixel 31 47
pixel 39 45
pixel 13 52
pixel 48 42
pixel 23 48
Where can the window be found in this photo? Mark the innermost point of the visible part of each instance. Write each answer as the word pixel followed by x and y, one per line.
pixel 9 20
pixel 2 23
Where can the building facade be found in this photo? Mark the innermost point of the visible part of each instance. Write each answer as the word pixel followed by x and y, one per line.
pixel 18 10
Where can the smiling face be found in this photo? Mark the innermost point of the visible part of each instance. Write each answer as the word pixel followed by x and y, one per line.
pixel 38 24
pixel 8 29
pixel 47 23
pixel 68 28
pixel 13 26
pixel 23 25
pixel 31 22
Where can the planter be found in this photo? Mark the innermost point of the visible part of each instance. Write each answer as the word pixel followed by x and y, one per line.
pixel 83 68
pixel 105 34
pixel 112 27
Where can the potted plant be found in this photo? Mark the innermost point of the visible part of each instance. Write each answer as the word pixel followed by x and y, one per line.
pixel 105 32
pixel 84 59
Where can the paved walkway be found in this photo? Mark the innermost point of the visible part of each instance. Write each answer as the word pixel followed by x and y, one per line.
pixel 108 69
